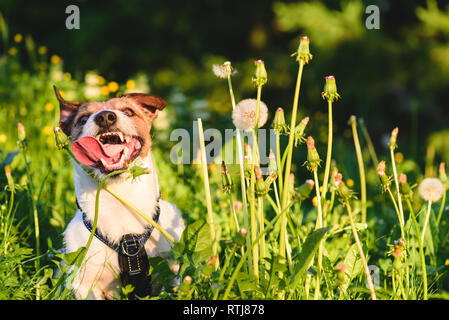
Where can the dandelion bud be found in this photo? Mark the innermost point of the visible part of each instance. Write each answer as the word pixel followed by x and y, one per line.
pixel 247 166
pixel 226 180
pixel 404 187
pixel 313 158
pixel 247 149
pixel 394 134
pixel 341 270
pixel 272 166
pixel 260 74
pixel 261 188
pixel 299 131
pixel 62 141
pixel 385 181
pixel 343 192
pixel 442 173
pixel 184 288
pixel 237 206
pixel 303 192
pixel 279 121
pixel 303 52
pixel 136 171
pixel 21 132
pixel 330 89
pixel 9 178
pixel 240 237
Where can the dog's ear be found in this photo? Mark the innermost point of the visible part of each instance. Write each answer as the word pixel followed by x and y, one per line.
pixel 149 104
pixel 67 112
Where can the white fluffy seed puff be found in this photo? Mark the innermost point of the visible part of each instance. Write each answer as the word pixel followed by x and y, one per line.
pixel 431 189
pixel 244 114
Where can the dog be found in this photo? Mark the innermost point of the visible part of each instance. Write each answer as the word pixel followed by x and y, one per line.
pixel 106 136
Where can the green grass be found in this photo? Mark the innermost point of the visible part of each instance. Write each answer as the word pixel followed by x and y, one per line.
pixel 44 184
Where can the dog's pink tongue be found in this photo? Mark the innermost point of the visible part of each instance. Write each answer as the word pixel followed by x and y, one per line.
pixel 89 151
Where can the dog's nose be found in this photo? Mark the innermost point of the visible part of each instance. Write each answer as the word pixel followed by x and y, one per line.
pixel 105 119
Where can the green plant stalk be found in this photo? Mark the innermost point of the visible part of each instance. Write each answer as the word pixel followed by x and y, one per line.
pixel 242 171
pixel 329 151
pixel 261 215
pixel 362 255
pixel 395 173
pixel 319 224
pixel 396 209
pixel 421 248
pixel 278 159
pixel 210 214
pixel 426 221
pixel 35 213
pixel 369 143
pixel 234 215
pixel 288 163
pixel 443 203
pixel 253 230
pixel 223 270
pixel 361 169
pixel 251 248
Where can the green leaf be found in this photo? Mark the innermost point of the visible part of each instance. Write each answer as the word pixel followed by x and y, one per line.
pixel 195 246
pixel 308 251
pixel 159 266
pixel 72 257
pixel 353 265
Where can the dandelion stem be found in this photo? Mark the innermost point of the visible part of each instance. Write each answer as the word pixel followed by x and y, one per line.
pixel 251 248
pixel 421 248
pixel 440 211
pixel 319 224
pixel 361 167
pixel 426 221
pixel 329 151
pixel 242 171
pixel 401 211
pixel 210 214
pixel 362 255
pixel 289 158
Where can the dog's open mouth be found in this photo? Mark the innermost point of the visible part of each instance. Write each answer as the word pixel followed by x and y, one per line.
pixel 108 151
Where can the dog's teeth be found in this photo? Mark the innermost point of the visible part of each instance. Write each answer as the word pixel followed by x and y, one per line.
pixel 127 139
pixel 121 136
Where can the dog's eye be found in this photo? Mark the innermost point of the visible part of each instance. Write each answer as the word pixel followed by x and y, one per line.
pixel 82 120
pixel 129 112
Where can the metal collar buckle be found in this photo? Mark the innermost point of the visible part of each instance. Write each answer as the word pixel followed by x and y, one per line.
pixel 130 246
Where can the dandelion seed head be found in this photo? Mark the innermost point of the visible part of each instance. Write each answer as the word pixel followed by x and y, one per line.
pixel 431 189
pixel 222 71
pixel 244 114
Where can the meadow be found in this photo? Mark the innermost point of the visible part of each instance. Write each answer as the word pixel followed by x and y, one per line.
pixel 376 231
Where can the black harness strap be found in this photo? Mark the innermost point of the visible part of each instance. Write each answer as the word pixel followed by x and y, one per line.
pixel 132 257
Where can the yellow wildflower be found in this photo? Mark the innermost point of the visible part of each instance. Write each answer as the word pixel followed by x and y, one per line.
pixel 49 106
pixel 315 201
pixel 100 80
pixel 55 59
pixel 67 75
pixel 47 130
pixel 398 157
pixel 113 86
pixel 42 50
pixel 350 183
pixel 18 38
pixel 3 138
pixel 130 84
pixel 446 262
pixel 105 90
pixel 12 51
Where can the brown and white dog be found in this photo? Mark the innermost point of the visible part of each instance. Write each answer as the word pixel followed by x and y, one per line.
pixel 106 136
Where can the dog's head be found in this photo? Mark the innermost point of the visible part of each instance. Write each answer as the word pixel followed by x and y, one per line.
pixel 107 135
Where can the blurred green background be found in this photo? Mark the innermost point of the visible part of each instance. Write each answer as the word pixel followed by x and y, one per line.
pixel 395 76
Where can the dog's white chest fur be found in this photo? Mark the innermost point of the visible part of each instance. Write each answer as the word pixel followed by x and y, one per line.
pixel 97 277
